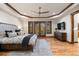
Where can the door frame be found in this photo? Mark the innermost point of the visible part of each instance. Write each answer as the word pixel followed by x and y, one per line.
pixel 72 25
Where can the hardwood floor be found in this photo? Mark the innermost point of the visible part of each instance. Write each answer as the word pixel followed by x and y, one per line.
pixel 4 53
pixel 59 48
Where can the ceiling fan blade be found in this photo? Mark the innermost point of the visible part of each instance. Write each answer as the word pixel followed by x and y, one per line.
pixel 35 12
pixel 44 12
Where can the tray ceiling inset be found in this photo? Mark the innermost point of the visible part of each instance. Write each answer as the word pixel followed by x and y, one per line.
pixel 27 8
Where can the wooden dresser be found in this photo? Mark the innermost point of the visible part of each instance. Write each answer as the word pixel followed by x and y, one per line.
pixel 60 36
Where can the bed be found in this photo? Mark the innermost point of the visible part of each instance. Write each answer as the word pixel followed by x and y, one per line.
pixel 12 39
pixel 18 43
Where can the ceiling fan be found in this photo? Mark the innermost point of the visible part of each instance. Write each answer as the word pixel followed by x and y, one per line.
pixel 40 12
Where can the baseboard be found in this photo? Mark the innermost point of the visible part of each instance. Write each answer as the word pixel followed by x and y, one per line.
pixel 75 42
pixel 49 36
pixel 70 42
pixel 46 37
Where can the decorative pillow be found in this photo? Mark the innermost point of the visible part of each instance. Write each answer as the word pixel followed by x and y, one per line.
pixel 2 34
pixel 12 34
pixel 18 33
pixel 6 32
pixel 18 30
pixel 21 33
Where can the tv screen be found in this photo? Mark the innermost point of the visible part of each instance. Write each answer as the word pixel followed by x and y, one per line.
pixel 59 26
pixel 63 25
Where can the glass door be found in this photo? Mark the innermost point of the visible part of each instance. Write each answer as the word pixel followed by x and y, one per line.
pixel 30 27
pixel 48 27
pixel 42 29
pixel 37 28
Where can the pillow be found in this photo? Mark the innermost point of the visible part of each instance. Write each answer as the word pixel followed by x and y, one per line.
pixel 18 33
pixel 6 32
pixel 12 34
pixel 17 30
pixel 2 34
pixel 22 32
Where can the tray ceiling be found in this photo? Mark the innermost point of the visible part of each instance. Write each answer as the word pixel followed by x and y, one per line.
pixel 28 8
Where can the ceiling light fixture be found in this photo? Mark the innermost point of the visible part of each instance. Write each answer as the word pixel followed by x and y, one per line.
pixel 40 11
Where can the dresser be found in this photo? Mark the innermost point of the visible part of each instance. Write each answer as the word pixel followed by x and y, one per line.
pixel 60 35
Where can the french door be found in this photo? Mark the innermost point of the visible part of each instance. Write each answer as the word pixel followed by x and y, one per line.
pixel 40 28
pixel 37 28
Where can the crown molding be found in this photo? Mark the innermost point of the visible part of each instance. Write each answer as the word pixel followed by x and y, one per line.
pixel 7 4
pixel 77 11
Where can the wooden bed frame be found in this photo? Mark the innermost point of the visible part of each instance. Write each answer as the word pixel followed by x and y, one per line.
pixel 15 47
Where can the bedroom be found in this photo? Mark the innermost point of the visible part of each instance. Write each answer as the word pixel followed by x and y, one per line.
pixel 39 28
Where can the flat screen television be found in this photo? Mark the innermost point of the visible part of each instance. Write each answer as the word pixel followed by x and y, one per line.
pixel 61 26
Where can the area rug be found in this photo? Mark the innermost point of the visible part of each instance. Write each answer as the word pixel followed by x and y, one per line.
pixel 41 49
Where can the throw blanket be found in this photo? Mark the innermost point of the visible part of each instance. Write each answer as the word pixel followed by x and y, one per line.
pixel 26 39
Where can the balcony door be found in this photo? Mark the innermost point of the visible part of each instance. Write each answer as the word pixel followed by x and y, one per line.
pixel 37 28
pixel 41 28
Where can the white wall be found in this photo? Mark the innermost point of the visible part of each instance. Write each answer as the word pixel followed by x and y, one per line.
pixel 76 21
pixel 67 21
pixel 66 17
pixel 7 18
pixel 25 25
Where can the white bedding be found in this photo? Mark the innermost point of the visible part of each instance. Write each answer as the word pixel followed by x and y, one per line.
pixel 18 39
